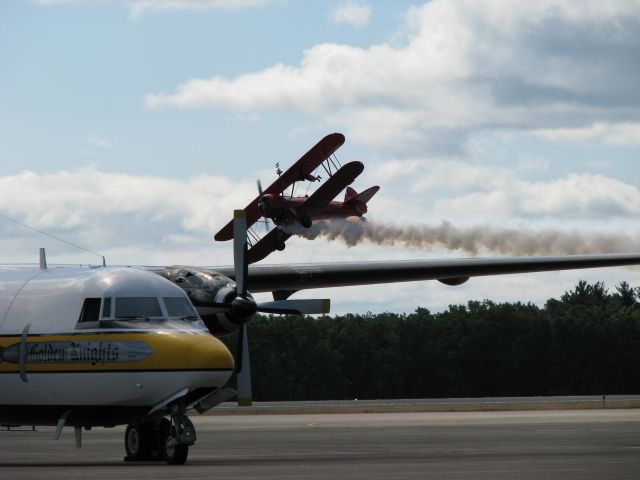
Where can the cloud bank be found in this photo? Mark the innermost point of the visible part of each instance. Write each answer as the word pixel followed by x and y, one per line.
pixel 463 65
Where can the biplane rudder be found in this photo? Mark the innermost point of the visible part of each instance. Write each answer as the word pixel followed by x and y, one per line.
pixel 350 193
pixel 359 200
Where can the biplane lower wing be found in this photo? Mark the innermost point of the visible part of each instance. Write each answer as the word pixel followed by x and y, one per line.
pixel 274 240
pixel 252 214
pixel 332 187
pixel 299 171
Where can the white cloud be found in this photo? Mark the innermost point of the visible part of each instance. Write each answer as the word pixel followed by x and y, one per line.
pixel 108 210
pixel 619 134
pixel 576 196
pixel 357 14
pixel 471 192
pixel 99 142
pixel 465 65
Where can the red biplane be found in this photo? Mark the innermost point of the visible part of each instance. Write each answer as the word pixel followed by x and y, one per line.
pixel 291 214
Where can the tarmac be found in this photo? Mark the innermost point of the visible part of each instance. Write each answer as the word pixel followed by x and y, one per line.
pixel 558 444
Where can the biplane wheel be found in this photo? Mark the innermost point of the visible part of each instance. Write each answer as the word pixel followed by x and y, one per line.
pixel 279 244
pixel 305 221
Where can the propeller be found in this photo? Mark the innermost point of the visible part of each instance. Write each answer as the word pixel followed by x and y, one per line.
pixel 243 307
pixel 263 203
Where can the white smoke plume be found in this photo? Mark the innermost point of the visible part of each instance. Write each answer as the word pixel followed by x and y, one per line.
pixel 474 239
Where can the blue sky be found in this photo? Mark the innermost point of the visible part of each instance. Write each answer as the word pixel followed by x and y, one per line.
pixel 134 128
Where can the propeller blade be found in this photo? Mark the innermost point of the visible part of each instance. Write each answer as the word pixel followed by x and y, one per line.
pixel 262 203
pixel 240 250
pixel 296 307
pixel 244 372
pixel 239 347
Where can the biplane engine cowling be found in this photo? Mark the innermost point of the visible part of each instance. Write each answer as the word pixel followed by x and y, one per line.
pixel 273 206
pixel 207 290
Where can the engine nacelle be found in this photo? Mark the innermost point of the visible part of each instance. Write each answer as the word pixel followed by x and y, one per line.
pixel 207 290
pixel 453 281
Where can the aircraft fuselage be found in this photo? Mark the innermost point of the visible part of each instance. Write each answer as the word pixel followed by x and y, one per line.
pixel 106 346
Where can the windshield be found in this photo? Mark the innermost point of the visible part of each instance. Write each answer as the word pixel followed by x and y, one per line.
pixel 137 307
pixel 170 312
pixel 179 307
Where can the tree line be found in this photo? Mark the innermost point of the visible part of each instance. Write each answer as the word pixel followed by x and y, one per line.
pixel 585 343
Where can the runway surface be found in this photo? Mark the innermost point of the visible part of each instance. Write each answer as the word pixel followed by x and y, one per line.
pixel 435 404
pixel 585 444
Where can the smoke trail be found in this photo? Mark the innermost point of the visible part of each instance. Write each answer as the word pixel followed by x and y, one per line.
pixel 507 241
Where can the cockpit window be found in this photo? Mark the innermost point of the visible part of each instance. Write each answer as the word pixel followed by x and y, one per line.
pixel 90 310
pixel 137 307
pixel 179 307
pixel 106 308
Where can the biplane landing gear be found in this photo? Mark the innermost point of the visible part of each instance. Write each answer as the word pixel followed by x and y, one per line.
pixel 279 244
pixel 305 220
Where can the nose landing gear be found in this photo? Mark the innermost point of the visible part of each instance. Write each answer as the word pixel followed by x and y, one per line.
pixel 181 436
pixel 160 439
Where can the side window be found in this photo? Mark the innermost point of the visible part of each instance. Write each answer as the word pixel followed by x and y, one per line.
pixel 90 310
pixel 106 308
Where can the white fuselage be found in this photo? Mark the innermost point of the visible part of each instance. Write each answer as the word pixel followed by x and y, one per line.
pixel 78 338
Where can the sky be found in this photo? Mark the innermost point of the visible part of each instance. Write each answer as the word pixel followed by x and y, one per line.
pixel 133 128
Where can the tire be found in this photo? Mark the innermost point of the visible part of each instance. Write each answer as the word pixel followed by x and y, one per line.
pixel 138 440
pixel 305 221
pixel 175 455
pixel 160 434
pixel 279 244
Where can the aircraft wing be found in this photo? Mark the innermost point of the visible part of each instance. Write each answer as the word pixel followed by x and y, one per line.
pixel 297 172
pixel 333 186
pixel 306 164
pixel 294 277
pixel 252 215
pixel 266 245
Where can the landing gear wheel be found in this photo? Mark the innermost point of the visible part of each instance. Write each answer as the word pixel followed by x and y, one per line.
pixel 279 244
pixel 138 439
pixel 174 453
pixel 162 431
pixel 305 221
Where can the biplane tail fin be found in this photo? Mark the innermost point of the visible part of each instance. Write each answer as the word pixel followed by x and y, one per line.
pixel 349 194
pixel 359 200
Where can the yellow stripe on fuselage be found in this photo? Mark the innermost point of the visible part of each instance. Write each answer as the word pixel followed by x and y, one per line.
pixel 164 350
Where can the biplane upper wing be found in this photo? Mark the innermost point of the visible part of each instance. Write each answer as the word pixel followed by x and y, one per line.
pixel 266 245
pixel 301 170
pixel 333 186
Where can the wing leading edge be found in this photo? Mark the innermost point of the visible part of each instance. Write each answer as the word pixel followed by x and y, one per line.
pixel 294 277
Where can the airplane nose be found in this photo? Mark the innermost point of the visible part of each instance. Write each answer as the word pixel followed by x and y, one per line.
pixel 208 353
